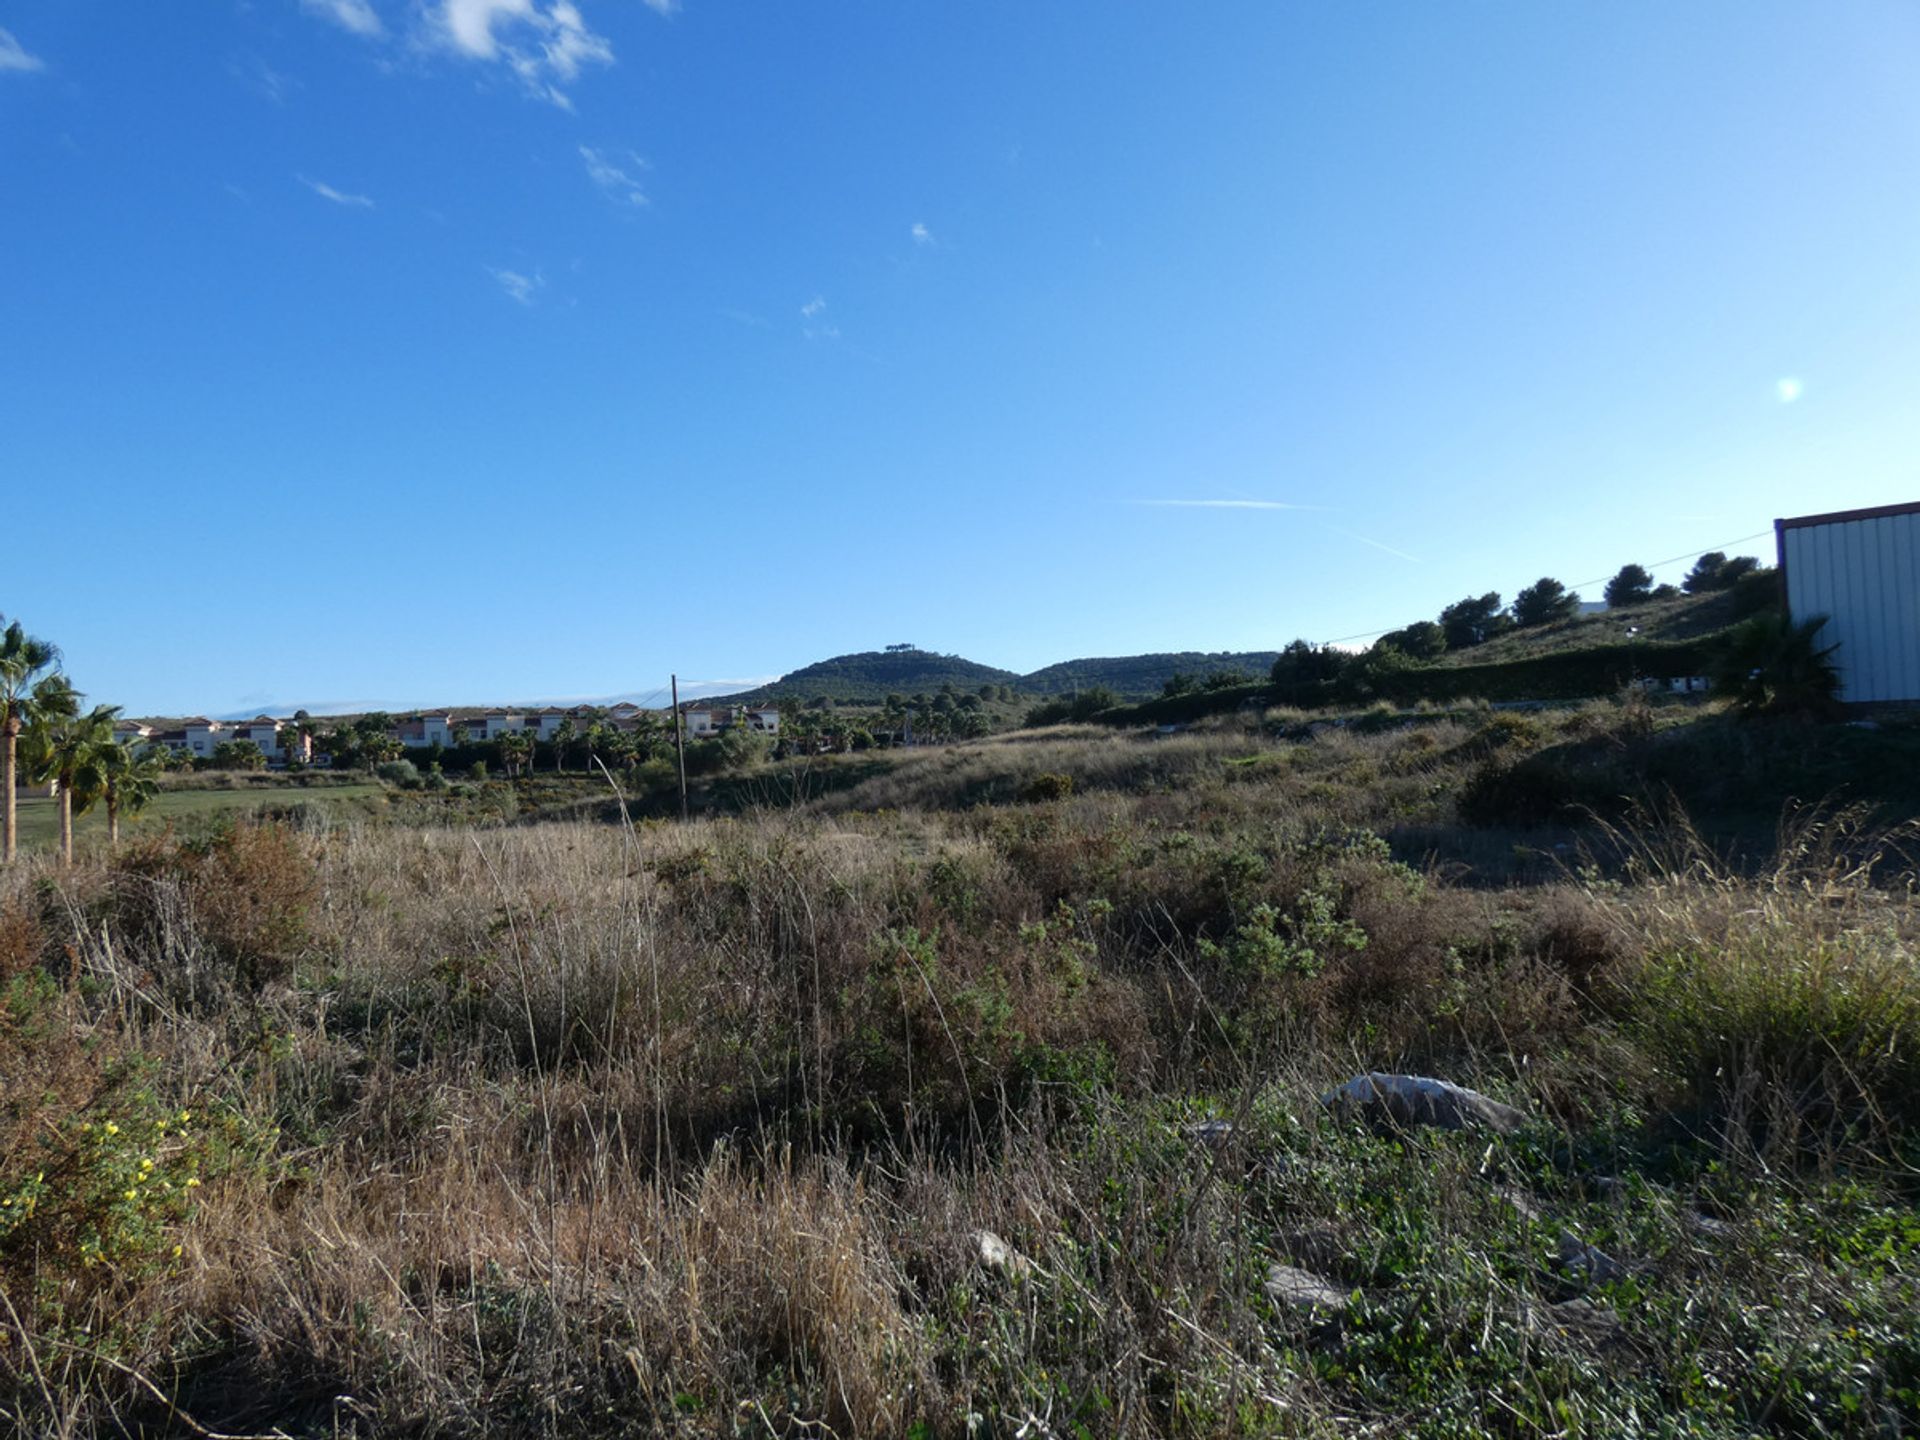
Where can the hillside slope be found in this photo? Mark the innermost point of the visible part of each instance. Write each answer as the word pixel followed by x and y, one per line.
pixel 1134 676
pixel 1690 617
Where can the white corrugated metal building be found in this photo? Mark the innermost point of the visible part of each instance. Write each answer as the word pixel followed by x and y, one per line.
pixel 1860 569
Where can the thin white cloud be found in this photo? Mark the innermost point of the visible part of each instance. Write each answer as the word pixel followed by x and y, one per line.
pixel 744 317
pixel 921 235
pixel 813 329
pixel 663 7
pixel 14 56
pixel 546 47
pixel 517 286
pixel 615 181
pixel 738 682
pixel 1788 389
pixel 356 16
pixel 1229 505
pixel 261 78
pixel 1378 546
pixel 338 197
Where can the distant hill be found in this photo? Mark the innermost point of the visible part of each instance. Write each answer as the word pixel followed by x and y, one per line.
pixel 1134 676
pixel 872 675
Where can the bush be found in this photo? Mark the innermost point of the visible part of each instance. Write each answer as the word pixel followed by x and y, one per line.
pixel 1085 706
pixel 1049 786
pixel 21 938
pixel 1525 792
pixel 403 773
pixel 240 900
pixel 1789 1033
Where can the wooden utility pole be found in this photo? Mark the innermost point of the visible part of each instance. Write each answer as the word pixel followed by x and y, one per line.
pixel 679 743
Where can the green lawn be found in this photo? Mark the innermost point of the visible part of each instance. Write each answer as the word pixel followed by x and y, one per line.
pixel 40 819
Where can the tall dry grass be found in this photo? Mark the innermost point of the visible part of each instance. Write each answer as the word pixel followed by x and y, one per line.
pixel 574 1128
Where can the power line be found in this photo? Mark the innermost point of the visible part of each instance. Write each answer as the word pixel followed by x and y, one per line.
pixel 1671 559
pixel 1688 555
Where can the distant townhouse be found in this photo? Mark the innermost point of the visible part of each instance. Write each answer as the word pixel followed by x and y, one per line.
pixel 628 717
pixel 264 731
pixel 708 720
pixel 1678 685
pixel 421 732
pixel 279 741
pixel 493 725
pixel 545 724
pixel 199 735
pixel 174 740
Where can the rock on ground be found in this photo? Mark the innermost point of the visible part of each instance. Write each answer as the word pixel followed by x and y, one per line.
pixel 1591 1261
pixel 1409 1100
pixel 1302 1289
pixel 996 1254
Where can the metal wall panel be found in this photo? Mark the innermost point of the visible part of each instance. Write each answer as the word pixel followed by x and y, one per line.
pixel 1864 576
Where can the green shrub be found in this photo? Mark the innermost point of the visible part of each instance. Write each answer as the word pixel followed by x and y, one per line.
pixel 1533 790
pixel 1048 786
pixel 1780 1030
pixel 403 773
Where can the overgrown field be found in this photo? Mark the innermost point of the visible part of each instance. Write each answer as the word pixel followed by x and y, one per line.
pixel 203 797
pixel 978 1092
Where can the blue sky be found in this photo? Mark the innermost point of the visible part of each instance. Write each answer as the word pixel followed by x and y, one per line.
pixel 402 351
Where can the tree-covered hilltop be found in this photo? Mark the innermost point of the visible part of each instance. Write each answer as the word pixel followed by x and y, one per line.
pixel 871 675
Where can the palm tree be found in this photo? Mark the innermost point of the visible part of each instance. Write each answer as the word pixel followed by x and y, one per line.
pixel 1773 665
pixel 22 659
pixel 128 783
pixel 623 750
pixel 69 749
pixel 563 738
pixel 515 746
pixel 597 736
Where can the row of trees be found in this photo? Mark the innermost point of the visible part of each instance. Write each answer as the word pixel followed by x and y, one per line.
pixel 368 740
pixel 1182 683
pixel 1477 619
pixel 45 736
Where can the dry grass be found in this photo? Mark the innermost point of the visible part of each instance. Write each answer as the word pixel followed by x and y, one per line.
pixel 588 1129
